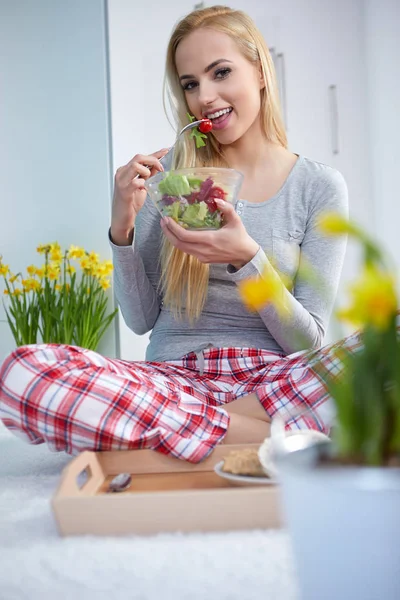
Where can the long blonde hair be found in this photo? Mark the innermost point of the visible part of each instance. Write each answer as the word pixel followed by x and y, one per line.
pixel 184 279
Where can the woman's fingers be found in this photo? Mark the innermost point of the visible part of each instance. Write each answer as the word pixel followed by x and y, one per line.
pixel 160 153
pixel 186 236
pixel 140 170
pixel 145 161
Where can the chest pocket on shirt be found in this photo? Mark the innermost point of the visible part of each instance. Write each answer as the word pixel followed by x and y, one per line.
pixel 286 250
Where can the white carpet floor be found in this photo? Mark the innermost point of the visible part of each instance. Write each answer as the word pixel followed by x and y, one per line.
pixel 36 563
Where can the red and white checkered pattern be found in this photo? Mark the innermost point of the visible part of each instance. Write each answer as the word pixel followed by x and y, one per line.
pixel 75 399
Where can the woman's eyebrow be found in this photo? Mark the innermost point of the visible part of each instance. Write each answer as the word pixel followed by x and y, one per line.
pixel 211 66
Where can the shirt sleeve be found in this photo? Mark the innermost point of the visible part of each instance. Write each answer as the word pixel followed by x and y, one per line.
pixel 137 272
pixel 308 307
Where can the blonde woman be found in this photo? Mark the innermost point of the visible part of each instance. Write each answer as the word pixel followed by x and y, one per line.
pixel 214 373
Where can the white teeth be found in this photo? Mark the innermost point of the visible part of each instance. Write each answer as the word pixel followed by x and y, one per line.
pixel 219 113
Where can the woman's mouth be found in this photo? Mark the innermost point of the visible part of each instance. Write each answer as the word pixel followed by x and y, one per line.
pixel 220 118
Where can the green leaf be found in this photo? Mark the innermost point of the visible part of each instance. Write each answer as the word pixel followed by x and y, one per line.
pixel 197 135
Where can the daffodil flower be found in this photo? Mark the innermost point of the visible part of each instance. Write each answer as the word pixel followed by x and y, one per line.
pixel 46 311
pixel 4 269
pixel 267 288
pixel 373 299
pixel 76 252
pixel 104 283
pixel 331 223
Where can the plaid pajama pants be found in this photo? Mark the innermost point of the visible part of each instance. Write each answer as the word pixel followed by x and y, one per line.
pixel 75 399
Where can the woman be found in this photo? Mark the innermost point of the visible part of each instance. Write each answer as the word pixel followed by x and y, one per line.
pixel 213 372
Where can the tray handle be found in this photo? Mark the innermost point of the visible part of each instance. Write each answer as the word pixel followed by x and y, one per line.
pixel 82 477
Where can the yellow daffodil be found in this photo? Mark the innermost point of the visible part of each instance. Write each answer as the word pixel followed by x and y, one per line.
pixel 87 266
pixel 40 272
pixel 31 270
pixel 70 270
pixel 17 292
pixel 56 255
pixel 107 267
pixel 43 248
pixel 13 278
pixel 331 223
pixel 76 252
pixel 53 272
pixel 6 292
pixel 373 297
pixel 93 257
pixel 4 269
pixel 30 284
pixel 267 288
pixel 100 271
pixel 104 283
pixel 104 269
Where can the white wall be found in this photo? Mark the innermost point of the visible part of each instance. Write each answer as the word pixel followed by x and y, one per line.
pixel 139 34
pixel 55 171
pixel 382 47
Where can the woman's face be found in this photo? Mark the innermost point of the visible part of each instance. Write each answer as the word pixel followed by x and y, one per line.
pixel 216 77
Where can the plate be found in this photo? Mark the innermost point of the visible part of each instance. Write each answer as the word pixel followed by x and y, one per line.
pixel 242 479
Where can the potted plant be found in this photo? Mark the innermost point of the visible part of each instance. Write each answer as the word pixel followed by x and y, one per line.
pixel 62 301
pixel 341 499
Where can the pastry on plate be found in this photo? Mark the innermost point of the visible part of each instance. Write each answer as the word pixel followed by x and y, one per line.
pixel 243 462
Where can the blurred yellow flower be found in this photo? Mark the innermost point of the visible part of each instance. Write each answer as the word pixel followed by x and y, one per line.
pixel 40 272
pixel 17 292
pixel 70 270
pixel 56 255
pixel 373 298
pixel 13 278
pixel 331 223
pixel 4 269
pixel 6 292
pixel 43 248
pixel 76 252
pixel 31 270
pixel 264 289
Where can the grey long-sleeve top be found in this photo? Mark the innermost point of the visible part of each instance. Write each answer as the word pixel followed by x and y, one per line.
pixel 285 229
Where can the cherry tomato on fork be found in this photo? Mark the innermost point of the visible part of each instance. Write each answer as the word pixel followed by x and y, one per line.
pixel 205 126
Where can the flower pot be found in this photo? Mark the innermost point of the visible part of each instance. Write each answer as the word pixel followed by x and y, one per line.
pixel 345 526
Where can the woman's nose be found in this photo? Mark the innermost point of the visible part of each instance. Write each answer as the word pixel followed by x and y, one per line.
pixel 207 94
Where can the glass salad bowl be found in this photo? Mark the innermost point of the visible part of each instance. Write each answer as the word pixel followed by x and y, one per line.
pixel 188 195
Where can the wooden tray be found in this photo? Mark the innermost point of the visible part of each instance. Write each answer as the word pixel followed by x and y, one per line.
pixel 167 494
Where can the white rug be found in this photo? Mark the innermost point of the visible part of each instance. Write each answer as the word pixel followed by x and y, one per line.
pixel 35 563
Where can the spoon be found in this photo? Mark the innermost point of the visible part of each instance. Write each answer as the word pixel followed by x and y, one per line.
pixel 120 483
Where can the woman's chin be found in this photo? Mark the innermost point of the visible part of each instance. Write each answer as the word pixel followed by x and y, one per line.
pixel 227 138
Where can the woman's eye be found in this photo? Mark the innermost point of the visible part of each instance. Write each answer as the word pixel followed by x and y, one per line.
pixel 189 86
pixel 222 73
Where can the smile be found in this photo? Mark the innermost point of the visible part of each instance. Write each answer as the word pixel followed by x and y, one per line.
pixel 219 113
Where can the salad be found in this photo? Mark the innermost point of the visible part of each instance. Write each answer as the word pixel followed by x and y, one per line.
pixel 191 201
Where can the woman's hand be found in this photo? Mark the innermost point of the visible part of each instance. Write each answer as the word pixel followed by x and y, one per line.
pixel 229 245
pixel 130 194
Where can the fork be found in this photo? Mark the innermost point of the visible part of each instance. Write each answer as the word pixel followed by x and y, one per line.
pixel 188 126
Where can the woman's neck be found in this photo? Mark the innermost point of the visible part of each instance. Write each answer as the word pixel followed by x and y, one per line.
pixel 252 152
